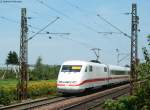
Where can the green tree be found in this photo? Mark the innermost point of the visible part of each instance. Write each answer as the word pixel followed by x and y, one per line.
pixel 141 98
pixel 12 58
pixel 144 68
pixel 43 72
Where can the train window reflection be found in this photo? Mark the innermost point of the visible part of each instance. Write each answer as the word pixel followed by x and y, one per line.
pixel 71 68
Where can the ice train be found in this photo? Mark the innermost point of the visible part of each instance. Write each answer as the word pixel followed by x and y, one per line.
pixel 77 76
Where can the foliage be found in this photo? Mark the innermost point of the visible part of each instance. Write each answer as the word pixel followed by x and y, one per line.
pixel 124 103
pixel 43 72
pixel 39 72
pixel 144 68
pixel 7 94
pixel 9 74
pixel 12 58
pixel 41 88
pixel 139 101
pixel 141 98
pixel 8 91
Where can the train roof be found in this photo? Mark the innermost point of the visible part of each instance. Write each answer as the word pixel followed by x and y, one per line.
pixel 81 62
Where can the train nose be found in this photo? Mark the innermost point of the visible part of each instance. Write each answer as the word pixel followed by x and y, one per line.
pixel 66 83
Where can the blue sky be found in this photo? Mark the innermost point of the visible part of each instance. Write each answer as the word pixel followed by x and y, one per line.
pixel 78 17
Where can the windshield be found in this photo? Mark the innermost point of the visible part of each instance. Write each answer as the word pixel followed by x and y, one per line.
pixel 71 68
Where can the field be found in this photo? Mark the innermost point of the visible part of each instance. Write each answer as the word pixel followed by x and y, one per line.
pixel 13 82
pixel 36 89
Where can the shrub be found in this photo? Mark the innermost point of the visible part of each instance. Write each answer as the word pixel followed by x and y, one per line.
pixel 124 103
pixel 8 93
pixel 139 101
pixel 41 88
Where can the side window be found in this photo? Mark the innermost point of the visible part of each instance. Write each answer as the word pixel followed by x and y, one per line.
pixel 105 69
pixel 90 68
pixel 86 69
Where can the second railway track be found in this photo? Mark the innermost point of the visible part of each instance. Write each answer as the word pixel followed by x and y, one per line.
pixel 85 102
pixel 33 104
pixel 88 102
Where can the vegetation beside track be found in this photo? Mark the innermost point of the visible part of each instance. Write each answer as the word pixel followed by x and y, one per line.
pixel 8 90
pixel 140 100
pixel 39 84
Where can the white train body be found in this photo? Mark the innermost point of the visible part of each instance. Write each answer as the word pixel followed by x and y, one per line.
pixel 77 76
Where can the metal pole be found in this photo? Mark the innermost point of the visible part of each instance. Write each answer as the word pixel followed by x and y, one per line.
pixel 134 49
pixel 22 86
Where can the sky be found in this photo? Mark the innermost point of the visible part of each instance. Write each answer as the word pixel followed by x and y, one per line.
pixel 79 18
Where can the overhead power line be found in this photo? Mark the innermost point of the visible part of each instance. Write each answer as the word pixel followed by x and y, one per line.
pixel 109 33
pixel 43 28
pixel 102 18
pixel 66 16
pixel 10 20
pixel 75 6
pixel 86 45
pixel 83 11
pixel 16 22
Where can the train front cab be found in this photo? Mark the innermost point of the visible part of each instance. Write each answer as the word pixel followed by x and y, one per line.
pixel 69 78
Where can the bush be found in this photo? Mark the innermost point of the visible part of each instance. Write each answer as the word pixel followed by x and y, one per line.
pixel 139 101
pixel 124 103
pixel 8 93
pixel 41 88
pixel 9 74
pixel 44 72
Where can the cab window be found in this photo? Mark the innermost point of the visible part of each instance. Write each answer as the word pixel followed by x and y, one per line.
pixel 71 68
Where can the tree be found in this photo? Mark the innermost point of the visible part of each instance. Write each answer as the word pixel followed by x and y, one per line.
pixel 144 68
pixel 12 58
pixel 43 72
pixel 37 72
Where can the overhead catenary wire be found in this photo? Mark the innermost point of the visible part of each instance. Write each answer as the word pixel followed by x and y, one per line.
pixel 125 57
pixel 109 33
pixel 43 29
pixel 102 18
pixel 16 22
pixel 86 45
pixel 8 19
pixel 81 10
pixel 75 6
pixel 66 16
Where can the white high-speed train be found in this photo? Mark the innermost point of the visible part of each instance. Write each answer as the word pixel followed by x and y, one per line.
pixel 77 76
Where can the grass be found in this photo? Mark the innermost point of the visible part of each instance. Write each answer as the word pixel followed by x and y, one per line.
pixel 13 82
pixel 8 82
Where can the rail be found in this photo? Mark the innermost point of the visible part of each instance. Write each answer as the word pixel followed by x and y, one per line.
pixel 99 99
pixel 33 104
pixel 86 102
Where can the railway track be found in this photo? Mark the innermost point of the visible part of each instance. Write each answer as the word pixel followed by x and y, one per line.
pixel 83 102
pixel 96 101
pixel 88 102
pixel 34 104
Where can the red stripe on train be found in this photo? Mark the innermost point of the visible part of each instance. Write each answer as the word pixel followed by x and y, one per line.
pixel 92 80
